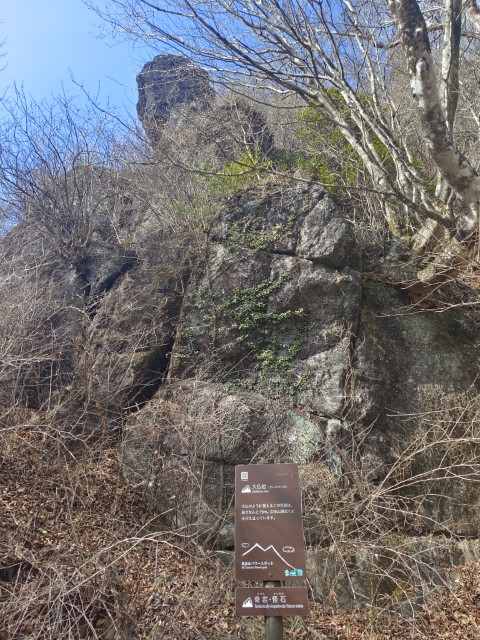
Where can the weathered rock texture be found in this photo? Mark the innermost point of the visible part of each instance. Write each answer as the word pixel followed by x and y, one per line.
pixel 285 350
pixel 100 303
pixel 270 342
pixel 173 90
pixel 166 83
pixel 234 129
pixel 127 341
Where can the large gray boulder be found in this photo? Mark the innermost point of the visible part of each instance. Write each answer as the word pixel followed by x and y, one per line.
pixel 275 345
pixel 182 448
pixel 262 315
pixel 285 350
pixel 128 338
pixel 174 91
pixel 234 130
pixel 260 359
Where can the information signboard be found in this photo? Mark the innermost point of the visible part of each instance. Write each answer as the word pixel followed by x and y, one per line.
pixel 271 601
pixel 269 542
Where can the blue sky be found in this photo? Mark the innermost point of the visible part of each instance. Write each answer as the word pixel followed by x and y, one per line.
pixel 48 41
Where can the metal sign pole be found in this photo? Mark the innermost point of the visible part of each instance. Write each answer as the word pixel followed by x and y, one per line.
pixel 273 624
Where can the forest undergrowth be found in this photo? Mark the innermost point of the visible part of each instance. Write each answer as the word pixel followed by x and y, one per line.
pixel 83 555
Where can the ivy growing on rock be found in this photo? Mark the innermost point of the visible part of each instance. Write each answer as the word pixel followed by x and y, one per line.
pixel 274 338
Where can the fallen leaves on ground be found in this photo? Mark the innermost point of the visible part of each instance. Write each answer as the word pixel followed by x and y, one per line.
pixel 83 555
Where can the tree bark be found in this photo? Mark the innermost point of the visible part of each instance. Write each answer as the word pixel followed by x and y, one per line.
pixel 452 164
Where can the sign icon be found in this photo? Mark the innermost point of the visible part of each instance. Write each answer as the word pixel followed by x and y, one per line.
pixel 288 549
pixel 244 475
pixel 271 601
pixel 247 489
pixel 266 553
pixel 245 545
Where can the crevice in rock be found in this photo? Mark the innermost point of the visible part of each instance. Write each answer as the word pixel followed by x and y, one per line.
pixel 278 252
pixel 152 377
pixel 108 283
pixel 325 416
pixel 93 300
pixel 317 262
pixel 85 285
pixel 18 571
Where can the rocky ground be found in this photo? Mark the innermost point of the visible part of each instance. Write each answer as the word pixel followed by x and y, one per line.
pixel 82 555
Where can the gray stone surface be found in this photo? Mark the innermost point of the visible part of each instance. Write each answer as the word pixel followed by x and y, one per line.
pixel 327 237
pixel 401 573
pixel 188 439
pixel 276 346
pixel 262 315
pixel 172 89
pixel 102 265
pixel 307 334
pixel 127 342
pixel 416 378
pixel 166 83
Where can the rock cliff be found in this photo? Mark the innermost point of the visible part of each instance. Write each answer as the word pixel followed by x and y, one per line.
pixel 263 336
pixel 174 92
pixel 270 341
pixel 284 349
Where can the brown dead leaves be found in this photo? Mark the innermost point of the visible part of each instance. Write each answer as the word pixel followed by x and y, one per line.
pixel 82 555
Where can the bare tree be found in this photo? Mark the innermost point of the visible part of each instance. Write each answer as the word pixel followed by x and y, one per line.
pixel 340 56
pixel 62 172
pixel 65 196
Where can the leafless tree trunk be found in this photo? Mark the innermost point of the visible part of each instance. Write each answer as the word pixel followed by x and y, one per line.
pixel 438 122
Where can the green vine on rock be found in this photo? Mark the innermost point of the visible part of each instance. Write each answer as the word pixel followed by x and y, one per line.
pixel 274 338
pixel 236 174
pixel 247 232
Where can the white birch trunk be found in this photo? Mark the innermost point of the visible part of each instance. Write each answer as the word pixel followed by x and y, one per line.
pixel 450 79
pixel 453 166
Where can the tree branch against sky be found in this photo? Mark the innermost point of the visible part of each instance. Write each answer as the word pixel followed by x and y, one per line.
pixel 341 58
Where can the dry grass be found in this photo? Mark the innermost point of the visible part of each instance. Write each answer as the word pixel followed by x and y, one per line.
pixel 83 556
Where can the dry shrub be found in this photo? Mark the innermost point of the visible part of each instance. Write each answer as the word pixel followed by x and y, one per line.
pixel 396 541
pixel 83 555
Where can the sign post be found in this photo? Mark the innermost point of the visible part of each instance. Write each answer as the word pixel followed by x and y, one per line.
pixel 269 545
pixel 273 624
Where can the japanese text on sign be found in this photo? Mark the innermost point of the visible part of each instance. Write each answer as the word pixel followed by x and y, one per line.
pixel 269 536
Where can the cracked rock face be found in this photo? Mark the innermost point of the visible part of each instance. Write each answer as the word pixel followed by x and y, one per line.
pixel 264 316
pixel 186 442
pixel 127 342
pixel 263 344
pixel 284 349
pixel 275 346
pixel 173 90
